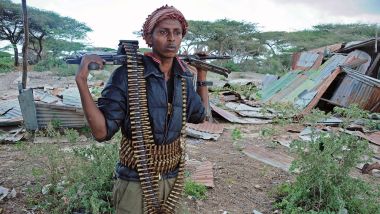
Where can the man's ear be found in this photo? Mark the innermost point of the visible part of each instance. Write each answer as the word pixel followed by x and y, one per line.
pixel 149 39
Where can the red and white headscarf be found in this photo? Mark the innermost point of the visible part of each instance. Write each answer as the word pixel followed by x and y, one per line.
pixel 164 12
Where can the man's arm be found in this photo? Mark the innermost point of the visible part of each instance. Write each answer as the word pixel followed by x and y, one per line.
pixel 94 116
pixel 202 90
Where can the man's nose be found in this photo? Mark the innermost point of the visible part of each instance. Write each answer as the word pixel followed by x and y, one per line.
pixel 171 36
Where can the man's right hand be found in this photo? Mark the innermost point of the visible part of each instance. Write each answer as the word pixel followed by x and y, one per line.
pixel 83 70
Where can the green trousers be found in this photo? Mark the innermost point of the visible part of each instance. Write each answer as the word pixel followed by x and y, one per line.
pixel 127 195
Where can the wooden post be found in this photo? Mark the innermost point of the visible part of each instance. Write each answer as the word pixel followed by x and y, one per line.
pixel 25 46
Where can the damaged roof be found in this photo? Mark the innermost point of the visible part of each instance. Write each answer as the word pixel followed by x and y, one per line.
pixel 343 79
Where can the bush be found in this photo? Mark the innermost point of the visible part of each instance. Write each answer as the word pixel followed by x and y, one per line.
pixel 79 181
pixel 56 65
pixel 6 62
pixel 324 184
pixel 231 66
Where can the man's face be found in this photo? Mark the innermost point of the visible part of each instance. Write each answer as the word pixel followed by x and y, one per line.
pixel 166 38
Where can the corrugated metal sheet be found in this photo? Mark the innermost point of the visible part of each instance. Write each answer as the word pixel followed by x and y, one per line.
pixel 66 115
pixel 358 54
pixel 299 87
pixel 304 61
pixel 206 126
pixel 40 95
pixel 204 174
pixel 249 111
pixel 278 85
pixel 328 49
pixel 356 88
pixel 10 113
pixel 272 157
pixel 359 45
pixel 71 97
pixel 232 117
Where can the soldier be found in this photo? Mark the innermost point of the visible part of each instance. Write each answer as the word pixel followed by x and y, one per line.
pixel 170 101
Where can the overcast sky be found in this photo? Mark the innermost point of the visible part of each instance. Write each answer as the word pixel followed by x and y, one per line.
pixel 112 20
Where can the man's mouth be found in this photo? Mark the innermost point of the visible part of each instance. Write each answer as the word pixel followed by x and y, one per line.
pixel 171 47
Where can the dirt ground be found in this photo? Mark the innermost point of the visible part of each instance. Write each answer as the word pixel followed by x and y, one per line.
pixel 242 184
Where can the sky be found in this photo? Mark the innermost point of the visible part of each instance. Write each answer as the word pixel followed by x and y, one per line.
pixel 113 20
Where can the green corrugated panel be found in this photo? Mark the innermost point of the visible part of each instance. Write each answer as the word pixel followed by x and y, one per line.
pixel 312 74
pixel 278 85
pixel 292 96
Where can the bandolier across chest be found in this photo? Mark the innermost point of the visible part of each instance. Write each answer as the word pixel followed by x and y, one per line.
pixel 140 152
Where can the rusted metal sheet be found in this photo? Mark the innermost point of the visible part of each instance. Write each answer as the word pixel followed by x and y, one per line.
pixel 328 49
pixel 271 157
pixel 204 175
pixel 207 127
pixel 370 43
pixel 306 88
pixel 303 61
pixel 356 88
pixel 362 57
pixel 372 137
pixel 205 130
pixel 66 115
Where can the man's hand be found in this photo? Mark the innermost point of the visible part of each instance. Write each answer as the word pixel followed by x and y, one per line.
pixel 83 70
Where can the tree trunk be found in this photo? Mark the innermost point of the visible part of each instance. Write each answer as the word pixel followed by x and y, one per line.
pixel 40 48
pixel 15 50
pixel 25 46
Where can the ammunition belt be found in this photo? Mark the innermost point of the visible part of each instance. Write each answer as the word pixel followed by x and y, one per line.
pixel 165 157
pixel 140 152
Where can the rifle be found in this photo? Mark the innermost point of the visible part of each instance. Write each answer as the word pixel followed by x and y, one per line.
pixel 120 58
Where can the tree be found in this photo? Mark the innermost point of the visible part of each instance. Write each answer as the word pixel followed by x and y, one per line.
pixel 25 45
pixel 223 37
pixel 11 25
pixel 47 25
pixel 42 25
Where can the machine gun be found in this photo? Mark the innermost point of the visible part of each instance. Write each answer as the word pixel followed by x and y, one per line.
pixel 120 58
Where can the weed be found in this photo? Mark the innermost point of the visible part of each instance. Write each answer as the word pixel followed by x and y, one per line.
pixel 51 131
pixel 72 135
pixel 352 113
pixel 236 134
pixel 285 112
pixel 195 190
pixel 249 91
pixel 268 132
pixel 56 123
pixel 20 145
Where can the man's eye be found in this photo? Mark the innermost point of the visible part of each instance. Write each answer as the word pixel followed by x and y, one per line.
pixel 163 32
pixel 178 33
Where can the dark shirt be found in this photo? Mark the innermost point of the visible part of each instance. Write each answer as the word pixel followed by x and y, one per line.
pixel 114 105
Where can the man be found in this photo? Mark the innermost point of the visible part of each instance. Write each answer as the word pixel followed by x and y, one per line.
pixel 150 171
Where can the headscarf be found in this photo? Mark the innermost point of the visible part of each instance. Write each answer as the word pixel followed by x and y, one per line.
pixel 164 12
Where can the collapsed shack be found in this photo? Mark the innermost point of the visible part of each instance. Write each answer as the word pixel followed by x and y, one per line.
pixel 331 76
